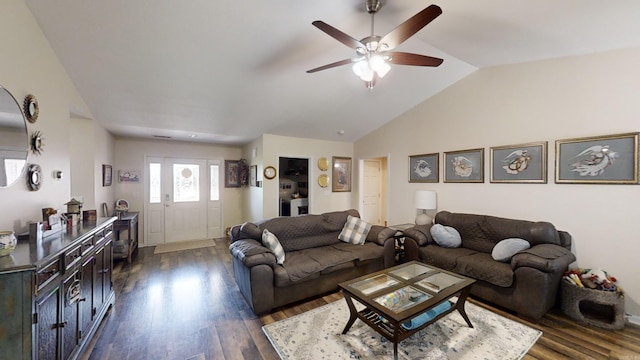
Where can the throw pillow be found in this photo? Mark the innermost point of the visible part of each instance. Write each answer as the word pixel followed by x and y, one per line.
pixel 505 249
pixel 446 236
pixel 354 231
pixel 271 242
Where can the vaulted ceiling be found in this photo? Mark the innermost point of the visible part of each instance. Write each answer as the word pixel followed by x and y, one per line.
pixel 227 71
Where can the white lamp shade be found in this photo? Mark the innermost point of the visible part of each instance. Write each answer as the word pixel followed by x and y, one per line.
pixel 426 200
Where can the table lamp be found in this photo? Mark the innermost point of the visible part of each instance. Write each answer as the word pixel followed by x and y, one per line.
pixel 425 200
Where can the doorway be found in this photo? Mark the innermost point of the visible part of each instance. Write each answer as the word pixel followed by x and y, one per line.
pixel 373 190
pixel 293 186
pixel 182 200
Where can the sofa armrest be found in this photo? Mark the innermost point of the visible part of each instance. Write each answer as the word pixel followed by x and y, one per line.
pixel 421 234
pixel 380 234
pixel 548 258
pixel 251 253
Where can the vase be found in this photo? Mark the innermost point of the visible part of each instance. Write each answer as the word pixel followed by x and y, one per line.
pixel 8 242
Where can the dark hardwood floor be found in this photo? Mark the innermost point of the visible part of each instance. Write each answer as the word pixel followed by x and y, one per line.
pixel 186 305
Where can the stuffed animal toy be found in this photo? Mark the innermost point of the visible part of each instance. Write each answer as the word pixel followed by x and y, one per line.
pixel 598 279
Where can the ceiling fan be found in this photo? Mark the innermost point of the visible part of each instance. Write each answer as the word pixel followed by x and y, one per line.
pixel 374 52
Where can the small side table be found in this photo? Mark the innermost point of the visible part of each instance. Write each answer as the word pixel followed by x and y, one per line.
pixel 399 239
pixel 124 249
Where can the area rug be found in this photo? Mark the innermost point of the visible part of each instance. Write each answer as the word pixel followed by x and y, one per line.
pixel 316 334
pixel 183 245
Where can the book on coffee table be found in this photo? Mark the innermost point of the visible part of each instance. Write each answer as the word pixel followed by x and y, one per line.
pixel 438 282
pixel 369 286
pixel 402 299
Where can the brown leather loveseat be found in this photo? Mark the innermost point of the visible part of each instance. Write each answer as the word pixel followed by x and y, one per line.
pixel 315 260
pixel 526 282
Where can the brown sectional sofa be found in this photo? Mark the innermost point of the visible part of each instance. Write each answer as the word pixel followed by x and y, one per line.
pixel 527 284
pixel 315 259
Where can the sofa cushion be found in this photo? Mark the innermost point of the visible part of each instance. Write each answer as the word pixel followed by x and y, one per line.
pixel 505 249
pixel 481 266
pixel 355 230
pixel 367 251
pixel 307 264
pixel 445 236
pixel 271 242
pixel 444 258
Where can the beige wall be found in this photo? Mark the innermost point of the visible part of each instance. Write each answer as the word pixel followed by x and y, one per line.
pixel 130 154
pixel 29 66
pixel 540 101
pixel 253 202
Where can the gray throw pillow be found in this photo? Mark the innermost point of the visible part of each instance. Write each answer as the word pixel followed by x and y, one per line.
pixel 446 236
pixel 505 249
pixel 271 241
pixel 355 231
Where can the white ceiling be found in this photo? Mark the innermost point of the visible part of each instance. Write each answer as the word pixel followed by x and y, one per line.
pixel 228 71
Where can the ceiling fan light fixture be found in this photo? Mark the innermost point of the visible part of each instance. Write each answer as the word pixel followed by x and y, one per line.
pixel 379 65
pixel 363 70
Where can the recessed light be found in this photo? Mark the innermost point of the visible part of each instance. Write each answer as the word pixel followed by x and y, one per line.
pixel 341 132
pixel 192 136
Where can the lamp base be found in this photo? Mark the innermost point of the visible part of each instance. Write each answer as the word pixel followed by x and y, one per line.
pixel 423 219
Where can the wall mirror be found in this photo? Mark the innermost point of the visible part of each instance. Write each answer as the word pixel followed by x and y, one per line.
pixel 14 143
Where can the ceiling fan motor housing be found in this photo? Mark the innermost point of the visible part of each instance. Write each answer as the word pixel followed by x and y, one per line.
pixel 372 6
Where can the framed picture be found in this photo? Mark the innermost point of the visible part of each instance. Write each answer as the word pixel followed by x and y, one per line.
pixel 464 166
pixel 253 175
pixel 129 176
pixel 424 168
pixel 341 180
pixel 107 175
pixel 523 163
pixel 231 173
pixel 611 159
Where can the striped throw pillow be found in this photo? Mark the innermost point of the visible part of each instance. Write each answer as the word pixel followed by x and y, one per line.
pixel 355 231
pixel 271 241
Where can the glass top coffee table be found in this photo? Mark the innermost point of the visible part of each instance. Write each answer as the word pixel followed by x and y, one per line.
pixel 402 295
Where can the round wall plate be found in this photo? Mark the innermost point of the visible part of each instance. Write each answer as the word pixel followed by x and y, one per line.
pixel 34 177
pixel 323 164
pixel 270 172
pixel 31 108
pixel 323 180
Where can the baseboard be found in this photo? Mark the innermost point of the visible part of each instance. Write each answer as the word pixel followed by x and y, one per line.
pixel 634 319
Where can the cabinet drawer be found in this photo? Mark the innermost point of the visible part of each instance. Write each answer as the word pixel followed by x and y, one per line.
pixel 71 257
pixel 47 274
pixel 87 245
pixel 98 237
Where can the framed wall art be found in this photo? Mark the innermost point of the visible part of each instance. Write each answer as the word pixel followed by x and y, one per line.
pixel 611 159
pixel 341 174
pixel 424 168
pixel 107 175
pixel 129 176
pixel 231 173
pixel 464 166
pixel 523 163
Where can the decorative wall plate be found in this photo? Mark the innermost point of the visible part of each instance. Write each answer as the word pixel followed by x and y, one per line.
pixel 37 142
pixel 323 164
pixel 323 180
pixel 31 108
pixel 34 177
pixel 269 172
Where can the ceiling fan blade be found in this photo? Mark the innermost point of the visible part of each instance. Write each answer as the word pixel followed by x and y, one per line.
pixel 338 35
pixel 405 30
pixel 402 58
pixel 329 66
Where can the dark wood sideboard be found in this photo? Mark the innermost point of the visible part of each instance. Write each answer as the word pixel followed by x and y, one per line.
pixel 54 293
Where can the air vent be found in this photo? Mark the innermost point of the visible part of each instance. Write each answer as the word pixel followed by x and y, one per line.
pixel 161 136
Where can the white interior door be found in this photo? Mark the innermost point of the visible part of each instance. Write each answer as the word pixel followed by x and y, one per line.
pixel 183 200
pixel 371 191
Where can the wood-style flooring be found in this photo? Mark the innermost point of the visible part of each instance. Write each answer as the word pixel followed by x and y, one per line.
pixel 186 305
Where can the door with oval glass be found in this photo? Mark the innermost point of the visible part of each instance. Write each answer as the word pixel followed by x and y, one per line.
pixel 184 200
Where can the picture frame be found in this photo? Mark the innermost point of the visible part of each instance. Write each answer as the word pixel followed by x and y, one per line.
pixel 107 175
pixel 464 166
pixel 341 174
pixel 253 175
pixel 522 163
pixel 231 173
pixel 609 159
pixel 424 168
pixel 129 176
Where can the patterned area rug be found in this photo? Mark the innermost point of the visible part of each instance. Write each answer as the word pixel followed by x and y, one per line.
pixel 184 245
pixel 316 334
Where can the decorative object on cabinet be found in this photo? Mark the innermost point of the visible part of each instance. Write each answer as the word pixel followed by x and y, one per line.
pixel 523 163
pixel 31 108
pixel 341 180
pixel 270 172
pixel 34 177
pixel 129 176
pixel 122 205
pixel 107 174
pixel 253 175
pixel 8 242
pixel 424 168
pixel 611 159
pixel 424 201
pixel 323 164
pixel 14 139
pixel 464 166
pixel 37 142
pixel 74 206
pixel 231 174
pixel 323 180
